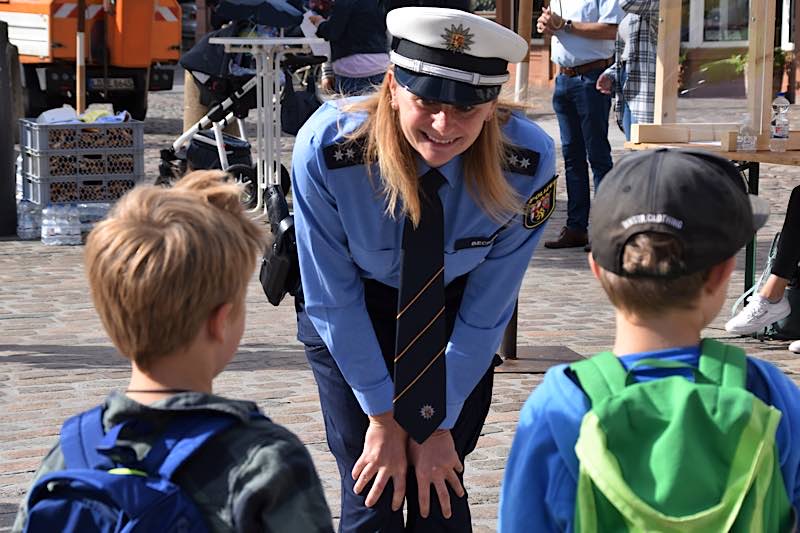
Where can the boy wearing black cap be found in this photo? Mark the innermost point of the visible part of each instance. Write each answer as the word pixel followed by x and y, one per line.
pixel 665 231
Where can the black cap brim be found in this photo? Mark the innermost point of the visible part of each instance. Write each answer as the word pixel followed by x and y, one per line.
pixel 443 90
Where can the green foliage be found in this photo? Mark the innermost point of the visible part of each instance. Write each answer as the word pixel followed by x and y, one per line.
pixel 737 63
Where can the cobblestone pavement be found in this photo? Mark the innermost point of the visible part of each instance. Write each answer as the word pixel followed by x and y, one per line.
pixel 56 359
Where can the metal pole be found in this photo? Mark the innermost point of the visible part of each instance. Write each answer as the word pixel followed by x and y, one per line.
pixel 523 30
pixel 80 60
pixel 8 204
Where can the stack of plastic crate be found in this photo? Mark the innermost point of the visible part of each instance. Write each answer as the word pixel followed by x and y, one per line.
pixel 80 163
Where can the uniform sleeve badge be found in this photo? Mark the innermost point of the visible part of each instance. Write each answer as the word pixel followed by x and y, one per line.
pixel 540 205
pixel 344 153
pixel 522 161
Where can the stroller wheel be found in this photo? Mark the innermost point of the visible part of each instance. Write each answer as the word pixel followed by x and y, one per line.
pixel 246 176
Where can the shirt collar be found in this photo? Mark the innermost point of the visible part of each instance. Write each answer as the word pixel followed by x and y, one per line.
pixel 452 170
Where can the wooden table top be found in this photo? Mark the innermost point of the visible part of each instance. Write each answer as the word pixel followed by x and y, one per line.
pixel 790 157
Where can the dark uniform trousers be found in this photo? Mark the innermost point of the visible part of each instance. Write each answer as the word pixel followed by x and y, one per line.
pixel 346 424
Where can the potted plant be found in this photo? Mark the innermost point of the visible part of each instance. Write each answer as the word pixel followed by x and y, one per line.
pixel 722 69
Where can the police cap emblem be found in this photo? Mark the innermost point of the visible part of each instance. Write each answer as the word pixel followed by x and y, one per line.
pixel 457 38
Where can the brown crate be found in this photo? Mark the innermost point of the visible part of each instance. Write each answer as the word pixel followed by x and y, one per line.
pixel 93 191
pixel 118 188
pixel 62 165
pixel 63 191
pixel 61 139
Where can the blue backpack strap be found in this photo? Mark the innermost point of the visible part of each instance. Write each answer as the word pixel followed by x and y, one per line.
pixel 80 436
pixel 600 376
pixel 723 364
pixel 182 438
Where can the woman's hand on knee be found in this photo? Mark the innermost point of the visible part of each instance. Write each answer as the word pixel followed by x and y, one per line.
pixel 436 462
pixel 384 459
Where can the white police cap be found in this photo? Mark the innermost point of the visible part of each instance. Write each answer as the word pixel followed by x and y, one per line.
pixel 451 56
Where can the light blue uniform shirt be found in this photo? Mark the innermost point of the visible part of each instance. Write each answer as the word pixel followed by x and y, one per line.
pixel 344 236
pixel 570 50
pixel 541 476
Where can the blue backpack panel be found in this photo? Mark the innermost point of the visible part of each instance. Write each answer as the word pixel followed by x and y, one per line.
pixel 105 488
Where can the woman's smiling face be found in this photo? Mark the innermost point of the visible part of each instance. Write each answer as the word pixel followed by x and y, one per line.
pixel 437 131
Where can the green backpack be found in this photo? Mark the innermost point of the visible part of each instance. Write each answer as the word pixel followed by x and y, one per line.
pixel 675 455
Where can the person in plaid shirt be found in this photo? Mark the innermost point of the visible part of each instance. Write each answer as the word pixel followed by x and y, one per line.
pixel 632 77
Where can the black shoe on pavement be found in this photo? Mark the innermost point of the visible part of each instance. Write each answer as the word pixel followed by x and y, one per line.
pixel 569 238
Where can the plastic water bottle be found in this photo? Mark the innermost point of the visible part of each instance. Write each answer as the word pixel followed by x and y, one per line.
pixel 28 223
pixel 746 139
pixel 51 233
pixel 91 214
pixel 61 225
pixel 780 124
pixel 18 166
pixel 73 226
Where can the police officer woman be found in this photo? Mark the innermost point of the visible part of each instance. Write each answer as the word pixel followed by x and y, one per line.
pixel 417 210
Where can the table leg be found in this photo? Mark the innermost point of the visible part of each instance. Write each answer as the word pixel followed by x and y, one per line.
pixel 508 346
pixel 750 250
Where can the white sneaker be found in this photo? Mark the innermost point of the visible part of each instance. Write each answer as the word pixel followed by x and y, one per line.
pixel 758 314
pixel 795 347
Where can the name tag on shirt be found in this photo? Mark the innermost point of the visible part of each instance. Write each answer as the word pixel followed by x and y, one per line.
pixel 473 242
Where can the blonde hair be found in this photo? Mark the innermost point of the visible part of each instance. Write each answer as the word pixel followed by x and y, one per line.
pixel 652 259
pixel 165 259
pixel 387 146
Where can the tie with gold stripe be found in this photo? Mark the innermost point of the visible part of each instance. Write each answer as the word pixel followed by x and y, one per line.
pixel 419 363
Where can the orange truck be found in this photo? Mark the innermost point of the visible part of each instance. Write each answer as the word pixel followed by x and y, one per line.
pixel 131 47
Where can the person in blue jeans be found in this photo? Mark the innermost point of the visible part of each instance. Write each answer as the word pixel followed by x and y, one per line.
pixel 583 47
pixel 356 30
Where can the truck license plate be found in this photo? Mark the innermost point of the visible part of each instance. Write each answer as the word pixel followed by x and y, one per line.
pixel 111 84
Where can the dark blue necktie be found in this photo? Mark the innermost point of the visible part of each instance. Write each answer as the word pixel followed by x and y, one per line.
pixel 419 363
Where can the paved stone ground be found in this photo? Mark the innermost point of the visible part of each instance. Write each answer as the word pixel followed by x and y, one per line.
pixel 55 358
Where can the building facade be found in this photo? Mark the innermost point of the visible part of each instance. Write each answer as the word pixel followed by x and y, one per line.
pixel 713 49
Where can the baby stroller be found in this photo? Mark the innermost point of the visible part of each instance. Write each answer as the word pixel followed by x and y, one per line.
pixel 228 87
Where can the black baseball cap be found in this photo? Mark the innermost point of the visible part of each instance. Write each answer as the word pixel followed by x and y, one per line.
pixel 695 196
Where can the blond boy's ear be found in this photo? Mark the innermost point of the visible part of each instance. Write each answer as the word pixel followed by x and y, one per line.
pixel 217 322
pixel 595 268
pixel 719 274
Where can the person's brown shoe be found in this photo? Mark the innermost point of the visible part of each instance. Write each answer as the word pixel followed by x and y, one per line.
pixel 569 238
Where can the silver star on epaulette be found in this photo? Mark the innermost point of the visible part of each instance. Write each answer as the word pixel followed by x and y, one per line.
pixel 349 153
pixel 513 160
pixel 524 162
pixel 338 155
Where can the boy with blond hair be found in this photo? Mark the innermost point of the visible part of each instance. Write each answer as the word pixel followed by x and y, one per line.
pixel 669 432
pixel 168 271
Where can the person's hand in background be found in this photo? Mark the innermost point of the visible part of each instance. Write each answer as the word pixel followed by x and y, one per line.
pixel 327 84
pixel 604 83
pixel 316 20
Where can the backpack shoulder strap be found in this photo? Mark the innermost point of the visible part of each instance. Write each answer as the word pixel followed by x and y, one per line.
pixel 600 376
pixel 182 438
pixel 724 364
pixel 80 436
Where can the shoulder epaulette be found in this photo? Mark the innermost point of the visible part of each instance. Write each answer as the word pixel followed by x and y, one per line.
pixel 521 160
pixel 345 153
